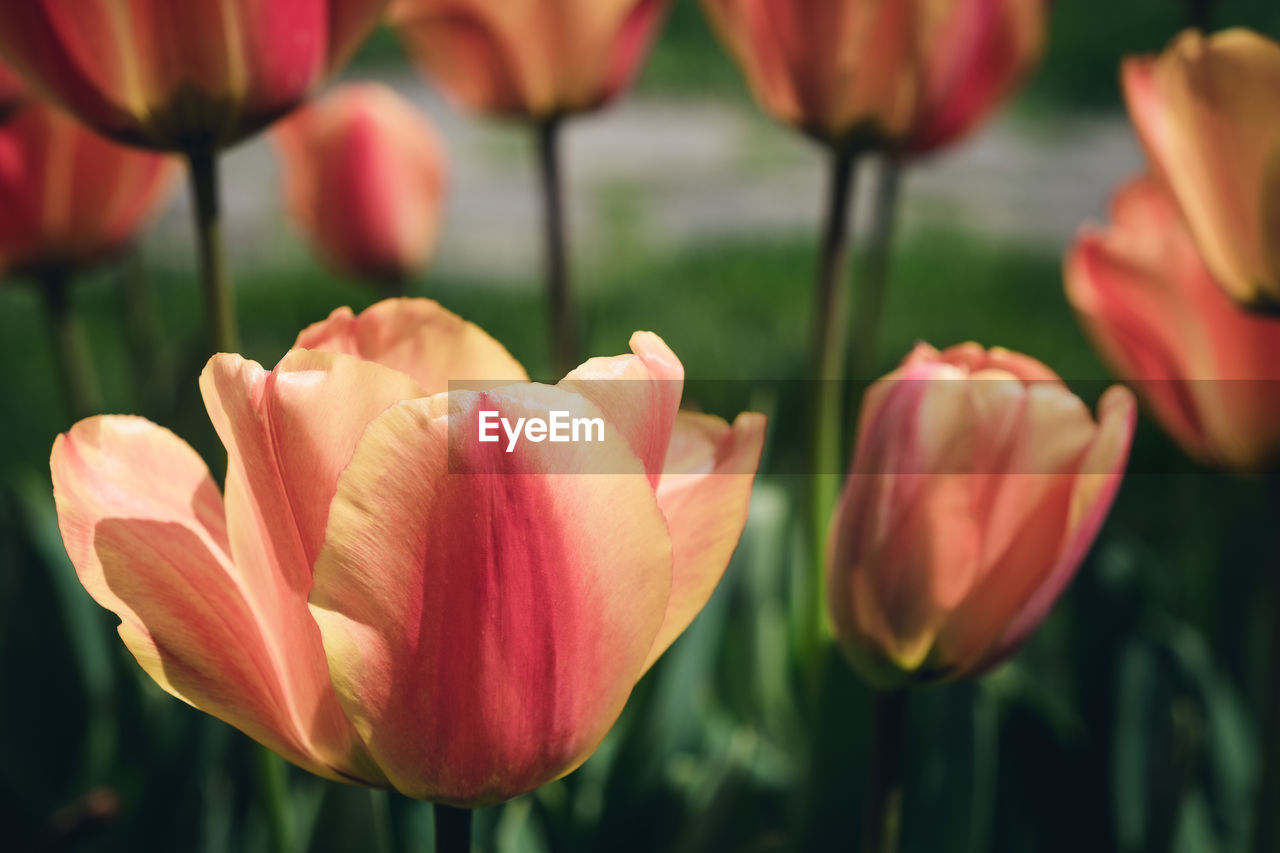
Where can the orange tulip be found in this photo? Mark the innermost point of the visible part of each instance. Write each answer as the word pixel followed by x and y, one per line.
pixel 383 598
pixel 70 196
pixel 194 76
pixel 364 180
pixel 1205 367
pixel 979 483
pixel 11 92
pixel 532 58
pixel 1208 113
pixel 909 75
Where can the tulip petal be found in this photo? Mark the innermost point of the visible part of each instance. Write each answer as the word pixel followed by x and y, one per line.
pixel 639 394
pixel 486 614
pixel 289 434
pixel 1098 480
pixel 419 338
pixel 143 524
pixel 704 493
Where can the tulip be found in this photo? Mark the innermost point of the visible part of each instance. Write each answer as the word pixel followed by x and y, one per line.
pixel 11 92
pixel 529 58
pixel 542 61
pixel 197 79
pixel 1208 113
pixel 384 599
pixel 1205 367
pixel 194 79
pixel 364 180
pixel 898 74
pixel 70 196
pixel 979 483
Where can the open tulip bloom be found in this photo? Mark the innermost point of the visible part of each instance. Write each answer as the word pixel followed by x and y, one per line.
pixel 383 599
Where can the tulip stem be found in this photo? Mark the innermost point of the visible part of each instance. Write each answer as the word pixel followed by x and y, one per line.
pixel 274 784
pixel 1266 821
pixel 561 309
pixel 830 315
pixel 453 829
pixel 874 280
pixel 882 824
pixel 70 347
pixel 219 298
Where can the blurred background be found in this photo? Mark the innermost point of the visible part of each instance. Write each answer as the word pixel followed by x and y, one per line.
pixel 1123 726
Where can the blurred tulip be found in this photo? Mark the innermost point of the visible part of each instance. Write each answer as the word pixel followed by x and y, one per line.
pixel 382 598
pixel 365 173
pixel 978 485
pixel 11 92
pixel 904 74
pixel 1206 368
pixel 196 76
pixel 534 58
pixel 70 196
pixel 1208 113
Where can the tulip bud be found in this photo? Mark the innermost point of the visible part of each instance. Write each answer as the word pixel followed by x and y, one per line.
pixel 530 58
pixel 70 195
pixel 909 76
pixel 1205 367
pixel 194 77
pixel 364 180
pixel 1208 113
pixel 978 484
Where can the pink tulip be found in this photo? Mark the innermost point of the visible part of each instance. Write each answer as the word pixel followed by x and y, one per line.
pixel 531 58
pixel 978 485
pixel 365 172
pixel 70 196
pixel 1204 366
pixel 908 75
pixel 192 76
pixel 1208 113
pixel 382 598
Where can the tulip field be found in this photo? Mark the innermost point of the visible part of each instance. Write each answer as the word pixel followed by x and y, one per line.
pixel 640 425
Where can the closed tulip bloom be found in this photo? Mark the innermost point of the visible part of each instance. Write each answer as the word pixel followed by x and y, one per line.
pixel 529 58
pixel 1208 113
pixel 978 485
pixel 193 76
pixel 381 597
pixel 1205 367
pixel 70 195
pixel 909 75
pixel 365 174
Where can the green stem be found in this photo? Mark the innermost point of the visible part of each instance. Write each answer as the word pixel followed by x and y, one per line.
pixel 882 824
pixel 453 829
pixel 562 311
pixel 1266 821
pixel 873 283
pixel 274 795
pixel 219 298
pixel 70 347
pixel 830 309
